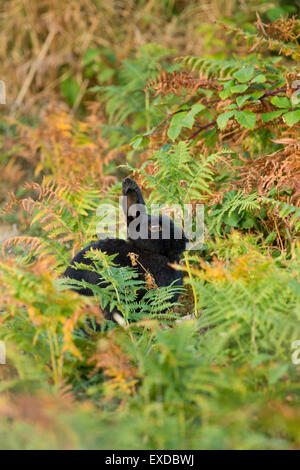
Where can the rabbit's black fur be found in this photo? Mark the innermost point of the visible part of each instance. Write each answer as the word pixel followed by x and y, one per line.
pixel 154 255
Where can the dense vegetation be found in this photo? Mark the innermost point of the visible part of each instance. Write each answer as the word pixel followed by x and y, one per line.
pixel 198 112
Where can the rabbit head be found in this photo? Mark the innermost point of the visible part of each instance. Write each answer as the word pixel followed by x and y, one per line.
pixel 154 233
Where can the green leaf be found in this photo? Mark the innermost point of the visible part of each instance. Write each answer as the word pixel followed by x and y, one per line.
pixel 176 125
pixel 244 75
pixel 257 94
pixel 261 78
pixel 183 119
pixel 271 237
pixel 246 119
pixel 232 219
pixel 95 88
pixel 105 74
pixel 292 117
pixel 223 118
pixel 189 119
pixel 272 115
pixel 240 100
pixel 250 96
pixel 139 141
pixel 239 88
pixel 249 222
pixel 90 55
pixel 281 102
pixel 231 106
pixel 276 373
pixel 224 94
pixel 70 89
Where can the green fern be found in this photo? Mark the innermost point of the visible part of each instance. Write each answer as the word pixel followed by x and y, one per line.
pixel 120 287
pixel 126 104
pixel 179 177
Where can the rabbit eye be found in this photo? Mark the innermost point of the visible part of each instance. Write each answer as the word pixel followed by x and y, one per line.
pixel 154 228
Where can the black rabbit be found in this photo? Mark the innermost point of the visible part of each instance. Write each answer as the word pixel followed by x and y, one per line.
pixel 155 240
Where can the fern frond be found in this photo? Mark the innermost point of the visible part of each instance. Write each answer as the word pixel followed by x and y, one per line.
pixel 33 244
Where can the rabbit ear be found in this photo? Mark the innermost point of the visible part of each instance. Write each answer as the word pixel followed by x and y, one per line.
pixel 132 196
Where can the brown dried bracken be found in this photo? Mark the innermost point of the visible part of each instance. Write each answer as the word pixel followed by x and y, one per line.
pixel 280 169
pixel 150 281
pixel 176 82
pixel 116 365
pixel 133 258
pixel 284 29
